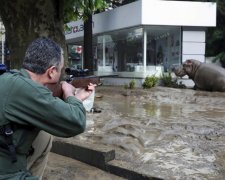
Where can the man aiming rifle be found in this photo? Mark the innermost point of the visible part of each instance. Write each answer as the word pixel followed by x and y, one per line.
pixel 29 114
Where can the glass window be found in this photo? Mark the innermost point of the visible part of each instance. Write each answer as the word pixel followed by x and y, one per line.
pixel 120 51
pixel 75 56
pixel 163 46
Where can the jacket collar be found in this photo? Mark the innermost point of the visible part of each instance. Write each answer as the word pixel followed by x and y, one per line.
pixel 24 73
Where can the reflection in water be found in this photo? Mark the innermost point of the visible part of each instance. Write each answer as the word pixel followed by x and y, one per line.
pixel 161 110
pixel 176 134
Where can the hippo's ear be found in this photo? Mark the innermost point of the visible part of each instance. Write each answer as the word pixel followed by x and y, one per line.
pixel 188 62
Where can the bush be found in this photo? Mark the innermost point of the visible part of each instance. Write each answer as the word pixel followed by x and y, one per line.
pixel 149 82
pixel 167 81
pixel 132 84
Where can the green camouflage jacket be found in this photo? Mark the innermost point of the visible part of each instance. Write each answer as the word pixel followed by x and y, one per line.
pixel 32 107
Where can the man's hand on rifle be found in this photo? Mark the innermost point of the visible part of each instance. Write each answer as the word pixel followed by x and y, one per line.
pixel 68 89
pixel 81 93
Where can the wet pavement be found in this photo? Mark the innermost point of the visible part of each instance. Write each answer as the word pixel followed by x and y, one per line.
pixel 164 132
pixel 64 168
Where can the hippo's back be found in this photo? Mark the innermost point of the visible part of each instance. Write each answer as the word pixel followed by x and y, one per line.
pixel 210 77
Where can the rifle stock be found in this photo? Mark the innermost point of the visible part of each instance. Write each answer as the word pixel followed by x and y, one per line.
pixel 77 82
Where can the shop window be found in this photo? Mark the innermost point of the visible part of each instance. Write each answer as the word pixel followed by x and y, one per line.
pixel 163 46
pixel 122 51
pixel 75 56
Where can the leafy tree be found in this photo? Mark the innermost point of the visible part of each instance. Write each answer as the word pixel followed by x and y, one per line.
pixel 215 45
pixel 26 20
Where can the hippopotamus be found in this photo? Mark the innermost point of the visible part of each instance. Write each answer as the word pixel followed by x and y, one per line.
pixel 206 76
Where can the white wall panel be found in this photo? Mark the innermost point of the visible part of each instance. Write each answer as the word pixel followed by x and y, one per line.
pixel 197 57
pixel 193 48
pixel 194 36
pixel 179 13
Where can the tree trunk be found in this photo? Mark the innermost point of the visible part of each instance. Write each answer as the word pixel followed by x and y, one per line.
pixel 25 21
pixel 88 52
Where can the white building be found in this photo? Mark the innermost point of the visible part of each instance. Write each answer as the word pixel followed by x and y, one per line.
pixel 144 38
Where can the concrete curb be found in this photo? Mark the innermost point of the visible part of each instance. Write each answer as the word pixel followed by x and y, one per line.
pixel 102 158
pixel 126 170
pixel 95 157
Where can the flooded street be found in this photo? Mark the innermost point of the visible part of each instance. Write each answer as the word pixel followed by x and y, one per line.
pixel 167 133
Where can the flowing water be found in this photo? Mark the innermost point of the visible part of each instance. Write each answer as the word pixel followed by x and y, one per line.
pixel 167 133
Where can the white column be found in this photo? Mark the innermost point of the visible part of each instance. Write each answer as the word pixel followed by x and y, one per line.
pixel 103 49
pixel 145 50
pixel 2 49
pixel 3 40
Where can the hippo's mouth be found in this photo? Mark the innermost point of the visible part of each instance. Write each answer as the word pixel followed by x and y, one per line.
pixel 179 71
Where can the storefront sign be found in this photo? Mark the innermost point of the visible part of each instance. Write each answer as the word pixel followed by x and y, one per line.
pixel 74 29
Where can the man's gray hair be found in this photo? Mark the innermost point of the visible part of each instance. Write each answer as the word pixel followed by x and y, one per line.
pixel 41 54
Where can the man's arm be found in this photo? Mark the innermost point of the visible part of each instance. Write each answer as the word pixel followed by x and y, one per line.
pixel 77 82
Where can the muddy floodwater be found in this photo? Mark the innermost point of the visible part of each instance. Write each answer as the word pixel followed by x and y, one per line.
pixel 168 133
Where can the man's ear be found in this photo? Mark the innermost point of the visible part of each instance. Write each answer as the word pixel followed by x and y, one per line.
pixel 51 71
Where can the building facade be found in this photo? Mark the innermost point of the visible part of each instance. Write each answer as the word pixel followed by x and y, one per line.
pixel 144 38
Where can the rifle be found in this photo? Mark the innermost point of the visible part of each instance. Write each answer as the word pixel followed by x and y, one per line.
pixel 78 78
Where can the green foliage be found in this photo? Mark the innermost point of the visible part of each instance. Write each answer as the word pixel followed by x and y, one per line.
pixel 70 11
pixel 132 84
pixel 82 9
pixel 149 82
pixel 215 36
pixel 220 57
pixel 167 81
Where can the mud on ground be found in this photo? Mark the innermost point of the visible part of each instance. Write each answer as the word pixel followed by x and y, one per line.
pixel 164 132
